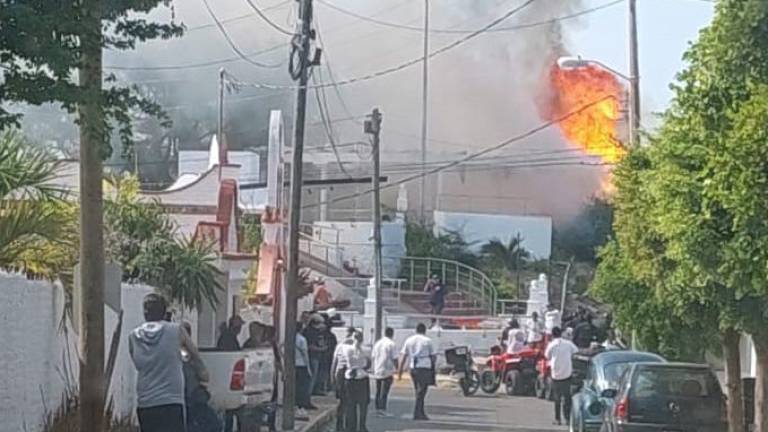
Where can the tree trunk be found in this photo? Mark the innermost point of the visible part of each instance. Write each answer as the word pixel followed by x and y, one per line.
pixel 730 342
pixel 761 381
pixel 92 141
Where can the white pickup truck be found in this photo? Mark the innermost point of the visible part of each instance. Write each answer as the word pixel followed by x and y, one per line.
pixel 239 379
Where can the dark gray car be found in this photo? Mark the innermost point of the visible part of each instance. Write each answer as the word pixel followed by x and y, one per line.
pixel 667 397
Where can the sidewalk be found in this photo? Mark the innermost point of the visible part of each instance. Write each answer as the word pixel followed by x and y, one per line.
pixel 318 419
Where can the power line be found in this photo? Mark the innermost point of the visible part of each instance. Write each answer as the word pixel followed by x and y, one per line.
pixel 267 20
pixel 231 42
pixel 239 17
pixel 322 109
pixel 400 67
pixel 230 59
pixel 195 65
pixel 457 31
pixel 473 155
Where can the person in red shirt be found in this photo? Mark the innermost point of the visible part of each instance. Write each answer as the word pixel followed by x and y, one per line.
pixel 323 298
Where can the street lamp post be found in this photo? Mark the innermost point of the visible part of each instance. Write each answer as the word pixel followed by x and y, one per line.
pixel 634 110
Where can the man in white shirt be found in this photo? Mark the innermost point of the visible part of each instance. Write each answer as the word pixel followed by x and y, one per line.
pixel 338 370
pixel 515 338
pixel 384 366
pixel 559 353
pixel 535 330
pixel 419 351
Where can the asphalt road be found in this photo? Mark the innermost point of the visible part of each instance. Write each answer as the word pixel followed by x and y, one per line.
pixel 450 411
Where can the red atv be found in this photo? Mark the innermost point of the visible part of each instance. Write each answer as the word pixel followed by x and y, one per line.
pixel 517 371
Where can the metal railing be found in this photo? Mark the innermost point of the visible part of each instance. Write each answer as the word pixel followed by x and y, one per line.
pixel 456 276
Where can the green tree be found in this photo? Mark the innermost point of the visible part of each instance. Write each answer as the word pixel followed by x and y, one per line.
pixel 421 241
pixel 143 239
pixel 36 225
pixel 582 236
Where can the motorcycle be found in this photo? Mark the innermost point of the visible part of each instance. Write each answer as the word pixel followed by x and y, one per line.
pixel 463 368
pixel 516 370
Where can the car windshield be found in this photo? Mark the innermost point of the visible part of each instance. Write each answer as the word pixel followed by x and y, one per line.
pixel 613 373
pixel 654 382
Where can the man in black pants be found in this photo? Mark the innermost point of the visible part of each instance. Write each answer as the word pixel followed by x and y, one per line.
pixel 384 366
pixel 559 353
pixel 419 351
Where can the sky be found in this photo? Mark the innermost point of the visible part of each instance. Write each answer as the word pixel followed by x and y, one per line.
pixel 665 28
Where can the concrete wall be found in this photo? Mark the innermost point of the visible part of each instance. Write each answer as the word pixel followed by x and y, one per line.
pixel 39 359
pixel 478 229
pixel 355 240
pixel 480 341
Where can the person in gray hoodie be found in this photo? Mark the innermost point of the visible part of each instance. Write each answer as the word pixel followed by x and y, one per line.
pixel 155 348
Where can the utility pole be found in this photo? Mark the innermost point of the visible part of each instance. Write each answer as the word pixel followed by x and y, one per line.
pixel 373 127
pixel 220 122
pixel 634 71
pixel 301 74
pixel 518 250
pixel 91 114
pixel 424 113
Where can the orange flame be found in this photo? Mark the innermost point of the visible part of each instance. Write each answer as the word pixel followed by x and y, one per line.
pixel 592 129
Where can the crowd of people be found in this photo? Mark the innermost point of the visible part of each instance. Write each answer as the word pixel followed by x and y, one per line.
pixel 172 379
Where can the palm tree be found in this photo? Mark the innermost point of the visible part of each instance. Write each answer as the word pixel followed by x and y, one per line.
pixel 35 222
pixel 507 259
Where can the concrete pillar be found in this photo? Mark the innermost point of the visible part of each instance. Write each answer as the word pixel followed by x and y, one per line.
pixel 369 314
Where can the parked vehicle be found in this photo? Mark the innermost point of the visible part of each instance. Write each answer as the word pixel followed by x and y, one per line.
pixel 517 371
pixel 460 358
pixel 666 397
pixel 603 373
pixel 580 363
pixel 239 379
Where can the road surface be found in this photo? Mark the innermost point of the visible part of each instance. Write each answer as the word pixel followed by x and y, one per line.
pixel 450 411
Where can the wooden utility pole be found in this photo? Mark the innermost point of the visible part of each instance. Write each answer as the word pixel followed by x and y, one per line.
pixel 424 114
pixel 373 127
pixel 92 142
pixel 634 71
pixel 292 280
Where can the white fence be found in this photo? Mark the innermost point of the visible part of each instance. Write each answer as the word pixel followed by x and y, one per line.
pixel 39 358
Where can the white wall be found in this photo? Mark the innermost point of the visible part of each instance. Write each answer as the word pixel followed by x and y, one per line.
pixel 478 229
pixel 35 349
pixel 32 352
pixel 356 242
pixel 480 341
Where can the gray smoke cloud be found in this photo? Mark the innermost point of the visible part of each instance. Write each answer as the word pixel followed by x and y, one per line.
pixel 481 92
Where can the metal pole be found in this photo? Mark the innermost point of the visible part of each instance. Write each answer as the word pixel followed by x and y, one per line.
pixel 373 127
pixel 634 70
pixel 565 287
pixel 220 123
pixel 517 264
pixel 424 111
pixel 292 279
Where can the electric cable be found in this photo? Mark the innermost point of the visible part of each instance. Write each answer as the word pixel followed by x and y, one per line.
pixel 401 66
pixel 239 17
pixel 267 20
pixel 465 31
pixel 472 156
pixel 231 42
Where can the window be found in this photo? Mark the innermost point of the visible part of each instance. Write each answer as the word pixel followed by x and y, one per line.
pixel 674 382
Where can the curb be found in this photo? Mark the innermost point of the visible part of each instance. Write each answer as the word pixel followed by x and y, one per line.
pixel 318 423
